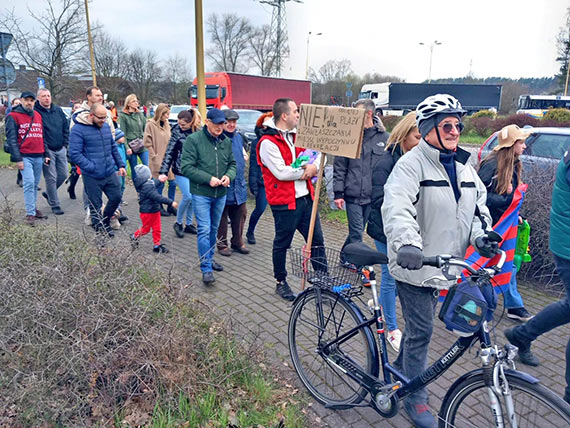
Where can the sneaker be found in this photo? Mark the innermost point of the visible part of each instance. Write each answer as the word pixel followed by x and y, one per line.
pixel 216 266
pixel 420 414
pixel 115 223
pixel 283 289
pixel 525 355
pixel 225 251
pixel 45 195
pixel 40 215
pixel 519 314
pixel 124 203
pixel 394 338
pixel 123 218
pixel 161 249
pixel 208 278
pixel 57 211
pixel 87 217
pixel 178 230
pixel 71 191
pixel 365 277
pixel 250 238
pixel 31 220
pixel 134 241
pixel 190 228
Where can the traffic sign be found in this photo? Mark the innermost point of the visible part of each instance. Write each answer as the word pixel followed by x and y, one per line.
pixel 7 72
pixel 348 85
pixel 41 82
pixel 349 93
pixel 5 40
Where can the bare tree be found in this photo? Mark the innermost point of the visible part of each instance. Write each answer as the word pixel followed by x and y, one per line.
pixel 262 50
pixel 563 47
pixel 230 38
pixel 56 43
pixel 333 70
pixel 110 55
pixel 143 73
pixel 178 78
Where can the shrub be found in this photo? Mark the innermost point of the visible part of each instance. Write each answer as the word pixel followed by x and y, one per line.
pixel 521 120
pixel 484 113
pixel 558 115
pixel 482 126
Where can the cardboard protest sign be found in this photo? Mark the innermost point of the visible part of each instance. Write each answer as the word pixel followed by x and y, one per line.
pixel 334 130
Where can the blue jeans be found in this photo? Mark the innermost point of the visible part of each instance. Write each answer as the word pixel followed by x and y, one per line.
pixel 260 205
pixel 387 291
pixel 123 153
pixel 185 206
pixel 512 297
pixel 552 316
pixel 171 188
pixel 31 175
pixel 133 161
pixel 208 213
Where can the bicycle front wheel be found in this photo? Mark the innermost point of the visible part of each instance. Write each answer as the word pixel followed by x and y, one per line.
pixel 468 405
pixel 310 326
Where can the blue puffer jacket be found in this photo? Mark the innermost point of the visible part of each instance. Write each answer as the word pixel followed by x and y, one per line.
pixel 237 192
pixel 94 150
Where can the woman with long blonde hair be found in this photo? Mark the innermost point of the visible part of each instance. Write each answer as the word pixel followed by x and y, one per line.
pixel 403 138
pixel 500 171
pixel 132 121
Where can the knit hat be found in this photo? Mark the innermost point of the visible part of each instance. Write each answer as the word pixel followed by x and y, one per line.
pixel 119 134
pixel 143 172
pixel 509 135
pixel 428 124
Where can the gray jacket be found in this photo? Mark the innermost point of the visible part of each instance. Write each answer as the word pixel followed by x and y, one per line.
pixel 420 209
pixel 352 178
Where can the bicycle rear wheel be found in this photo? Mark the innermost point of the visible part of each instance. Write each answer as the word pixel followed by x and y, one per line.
pixel 535 405
pixel 325 381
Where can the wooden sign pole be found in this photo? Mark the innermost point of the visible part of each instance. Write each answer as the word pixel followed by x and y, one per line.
pixel 307 252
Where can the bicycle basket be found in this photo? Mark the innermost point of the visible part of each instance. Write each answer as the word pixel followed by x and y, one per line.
pixel 464 308
pixel 323 268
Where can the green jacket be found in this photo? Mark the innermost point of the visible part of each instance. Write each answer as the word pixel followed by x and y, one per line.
pixel 204 157
pixel 560 211
pixel 132 125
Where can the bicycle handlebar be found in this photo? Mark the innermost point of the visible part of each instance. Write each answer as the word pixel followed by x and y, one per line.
pixel 442 260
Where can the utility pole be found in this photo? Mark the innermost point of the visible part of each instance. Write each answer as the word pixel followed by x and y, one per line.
pixel 91 54
pixel 200 79
pixel 278 27
pixel 431 46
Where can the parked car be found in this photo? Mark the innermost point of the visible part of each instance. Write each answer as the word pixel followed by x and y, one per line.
pixel 174 110
pixel 544 147
pixel 246 122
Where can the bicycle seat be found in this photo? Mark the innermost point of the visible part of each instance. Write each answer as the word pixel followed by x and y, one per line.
pixel 362 255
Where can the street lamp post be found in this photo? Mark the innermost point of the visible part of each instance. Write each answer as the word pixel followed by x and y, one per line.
pixel 307 65
pixel 431 46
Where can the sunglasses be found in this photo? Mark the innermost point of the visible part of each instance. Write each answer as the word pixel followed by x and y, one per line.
pixel 447 127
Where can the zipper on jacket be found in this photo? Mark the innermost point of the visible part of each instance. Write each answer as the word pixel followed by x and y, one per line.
pixel 217 170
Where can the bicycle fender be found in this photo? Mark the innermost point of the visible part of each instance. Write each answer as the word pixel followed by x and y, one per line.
pixel 479 372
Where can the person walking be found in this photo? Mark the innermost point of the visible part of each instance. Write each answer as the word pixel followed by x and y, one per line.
pixel 501 173
pixel 209 164
pixel 256 184
pixel 56 137
pixel 189 121
pixel 15 102
pixel 132 121
pixel 289 190
pixel 156 137
pixel 235 209
pixel 403 138
pixel 352 178
pixel 558 313
pixel 93 149
pixel 434 203
pixel 28 149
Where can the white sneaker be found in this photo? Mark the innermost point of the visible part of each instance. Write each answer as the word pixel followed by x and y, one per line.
pixel 394 338
pixel 87 217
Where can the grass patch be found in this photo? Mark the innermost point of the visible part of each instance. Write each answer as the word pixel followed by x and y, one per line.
pixel 472 139
pixel 338 216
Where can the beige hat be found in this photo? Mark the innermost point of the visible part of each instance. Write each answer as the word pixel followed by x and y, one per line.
pixel 509 135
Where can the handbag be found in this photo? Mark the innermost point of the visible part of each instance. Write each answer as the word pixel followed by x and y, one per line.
pixel 136 145
pixel 7 146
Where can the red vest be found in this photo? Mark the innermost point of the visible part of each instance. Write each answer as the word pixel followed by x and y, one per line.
pixel 34 143
pixel 281 192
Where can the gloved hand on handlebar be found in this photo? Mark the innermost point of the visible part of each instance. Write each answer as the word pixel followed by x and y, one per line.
pixel 410 257
pixel 488 244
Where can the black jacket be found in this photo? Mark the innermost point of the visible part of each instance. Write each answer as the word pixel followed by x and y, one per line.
pixel 56 126
pixel 496 203
pixel 381 170
pixel 352 178
pixel 173 152
pixel 255 175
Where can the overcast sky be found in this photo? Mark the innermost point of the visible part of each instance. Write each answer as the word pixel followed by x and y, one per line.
pixel 508 38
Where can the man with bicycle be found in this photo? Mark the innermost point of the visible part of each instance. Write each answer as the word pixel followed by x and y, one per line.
pixel 434 203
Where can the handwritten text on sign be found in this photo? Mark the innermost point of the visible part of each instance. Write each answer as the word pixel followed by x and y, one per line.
pixel 334 130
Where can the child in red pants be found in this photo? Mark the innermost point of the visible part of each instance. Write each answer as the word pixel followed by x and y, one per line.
pixel 149 205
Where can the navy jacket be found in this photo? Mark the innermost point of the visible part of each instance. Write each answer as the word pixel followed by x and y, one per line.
pixel 94 150
pixel 255 175
pixel 56 126
pixel 237 192
pixel 149 198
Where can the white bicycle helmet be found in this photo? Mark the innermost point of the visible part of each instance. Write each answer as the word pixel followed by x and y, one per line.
pixel 436 104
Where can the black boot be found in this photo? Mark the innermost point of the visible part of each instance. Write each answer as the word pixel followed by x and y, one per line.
pixel 19 179
pixel 73 178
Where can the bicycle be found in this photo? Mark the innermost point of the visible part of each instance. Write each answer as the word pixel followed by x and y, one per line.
pixel 337 359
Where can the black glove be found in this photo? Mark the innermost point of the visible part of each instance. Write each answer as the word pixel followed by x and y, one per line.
pixel 410 257
pixel 487 245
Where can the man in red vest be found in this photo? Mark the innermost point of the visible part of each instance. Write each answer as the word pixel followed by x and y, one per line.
pixel 289 190
pixel 25 139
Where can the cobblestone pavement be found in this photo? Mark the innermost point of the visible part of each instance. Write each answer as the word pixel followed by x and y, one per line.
pixel 246 289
